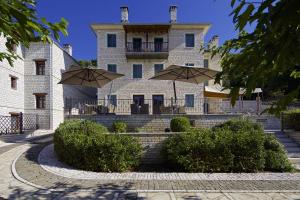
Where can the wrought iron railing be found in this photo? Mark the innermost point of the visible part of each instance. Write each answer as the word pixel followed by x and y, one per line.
pixel 147 47
pixel 160 107
pixel 18 123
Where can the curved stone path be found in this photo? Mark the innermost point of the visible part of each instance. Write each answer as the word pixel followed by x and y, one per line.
pixel 49 162
pixel 25 157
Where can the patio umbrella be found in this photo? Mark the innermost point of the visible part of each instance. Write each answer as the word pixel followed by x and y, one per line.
pixel 88 76
pixel 187 74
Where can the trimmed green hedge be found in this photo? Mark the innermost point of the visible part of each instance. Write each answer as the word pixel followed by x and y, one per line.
pixel 291 119
pixel 235 146
pixel 180 124
pixel 119 127
pixel 84 145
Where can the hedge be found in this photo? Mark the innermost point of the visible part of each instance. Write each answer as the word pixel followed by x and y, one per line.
pixel 292 119
pixel 84 145
pixel 119 127
pixel 235 146
pixel 180 124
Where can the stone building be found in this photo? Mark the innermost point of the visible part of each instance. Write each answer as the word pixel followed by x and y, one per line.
pixel 139 51
pixel 30 85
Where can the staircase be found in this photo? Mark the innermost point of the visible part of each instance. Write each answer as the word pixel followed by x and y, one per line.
pixel 292 148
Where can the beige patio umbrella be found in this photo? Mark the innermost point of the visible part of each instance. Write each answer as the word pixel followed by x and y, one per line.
pixel 88 76
pixel 187 74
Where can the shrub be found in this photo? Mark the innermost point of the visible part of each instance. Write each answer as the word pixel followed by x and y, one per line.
pixel 240 124
pixel 276 157
pixel 292 118
pixel 180 124
pixel 235 146
pixel 92 150
pixel 119 127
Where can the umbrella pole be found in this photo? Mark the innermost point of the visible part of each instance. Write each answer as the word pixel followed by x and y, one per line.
pixel 175 95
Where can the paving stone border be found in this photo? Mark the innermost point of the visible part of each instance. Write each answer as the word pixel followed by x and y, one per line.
pixel 49 162
pixel 28 168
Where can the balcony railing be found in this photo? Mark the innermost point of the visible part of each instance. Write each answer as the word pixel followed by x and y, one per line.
pixel 160 107
pixel 145 50
pixel 147 47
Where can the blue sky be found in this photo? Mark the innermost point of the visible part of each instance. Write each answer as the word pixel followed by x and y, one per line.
pixel 82 13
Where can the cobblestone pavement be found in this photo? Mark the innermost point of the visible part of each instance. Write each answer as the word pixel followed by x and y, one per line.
pixel 56 187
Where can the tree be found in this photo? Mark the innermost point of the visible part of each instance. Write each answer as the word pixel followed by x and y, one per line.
pixel 19 24
pixel 88 63
pixel 268 56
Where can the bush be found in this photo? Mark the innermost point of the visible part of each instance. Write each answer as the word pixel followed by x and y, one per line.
pixel 235 146
pixel 180 124
pixel 292 119
pixel 90 149
pixel 119 127
pixel 240 124
pixel 276 157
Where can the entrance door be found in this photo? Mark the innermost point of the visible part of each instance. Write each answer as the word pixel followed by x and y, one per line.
pixel 157 102
pixel 137 44
pixel 158 44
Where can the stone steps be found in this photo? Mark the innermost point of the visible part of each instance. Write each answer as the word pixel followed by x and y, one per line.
pixel 291 146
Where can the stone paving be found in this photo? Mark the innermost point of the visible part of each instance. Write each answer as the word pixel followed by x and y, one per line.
pixel 57 187
pixel 28 168
pixel 48 161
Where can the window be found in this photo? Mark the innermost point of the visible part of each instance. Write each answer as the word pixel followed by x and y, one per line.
pixel 205 63
pixel 189 100
pixel 40 100
pixel 137 71
pixel 158 68
pixel 111 40
pixel 189 64
pixel 13 82
pixel 113 99
pixel 189 40
pixel 40 67
pixel 112 68
pixel 205 83
pixel 138 99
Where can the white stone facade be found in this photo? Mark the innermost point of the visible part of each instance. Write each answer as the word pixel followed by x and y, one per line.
pixel 22 99
pixel 127 86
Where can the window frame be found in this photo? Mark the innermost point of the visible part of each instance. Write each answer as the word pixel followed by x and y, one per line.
pixel 187 104
pixel 107 40
pixel 156 64
pixel 115 65
pixel 39 67
pixel 205 60
pixel 113 102
pixel 190 64
pixel 13 82
pixel 133 67
pixel 40 100
pixel 186 43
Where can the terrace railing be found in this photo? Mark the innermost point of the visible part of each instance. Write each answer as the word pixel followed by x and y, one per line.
pixel 157 107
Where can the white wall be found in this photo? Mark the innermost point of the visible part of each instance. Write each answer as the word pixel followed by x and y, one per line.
pixel 11 100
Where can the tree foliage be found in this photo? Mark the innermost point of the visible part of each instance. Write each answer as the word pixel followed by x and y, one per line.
pixel 88 63
pixel 268 56
pixel 19 24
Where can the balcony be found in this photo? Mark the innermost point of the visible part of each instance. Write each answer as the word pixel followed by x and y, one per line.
pixel 147 50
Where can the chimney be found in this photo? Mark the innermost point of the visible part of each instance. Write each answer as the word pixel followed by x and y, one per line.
pixel 124 14
pixel 173 13
pixel 214 42
pixel 68 48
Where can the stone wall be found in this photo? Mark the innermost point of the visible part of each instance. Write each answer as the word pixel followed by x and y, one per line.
pixel 11 100
pixel 154 123
pixel 125 87
pixel 152 145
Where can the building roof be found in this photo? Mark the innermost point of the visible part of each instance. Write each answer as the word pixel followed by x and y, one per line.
pixel 149 26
